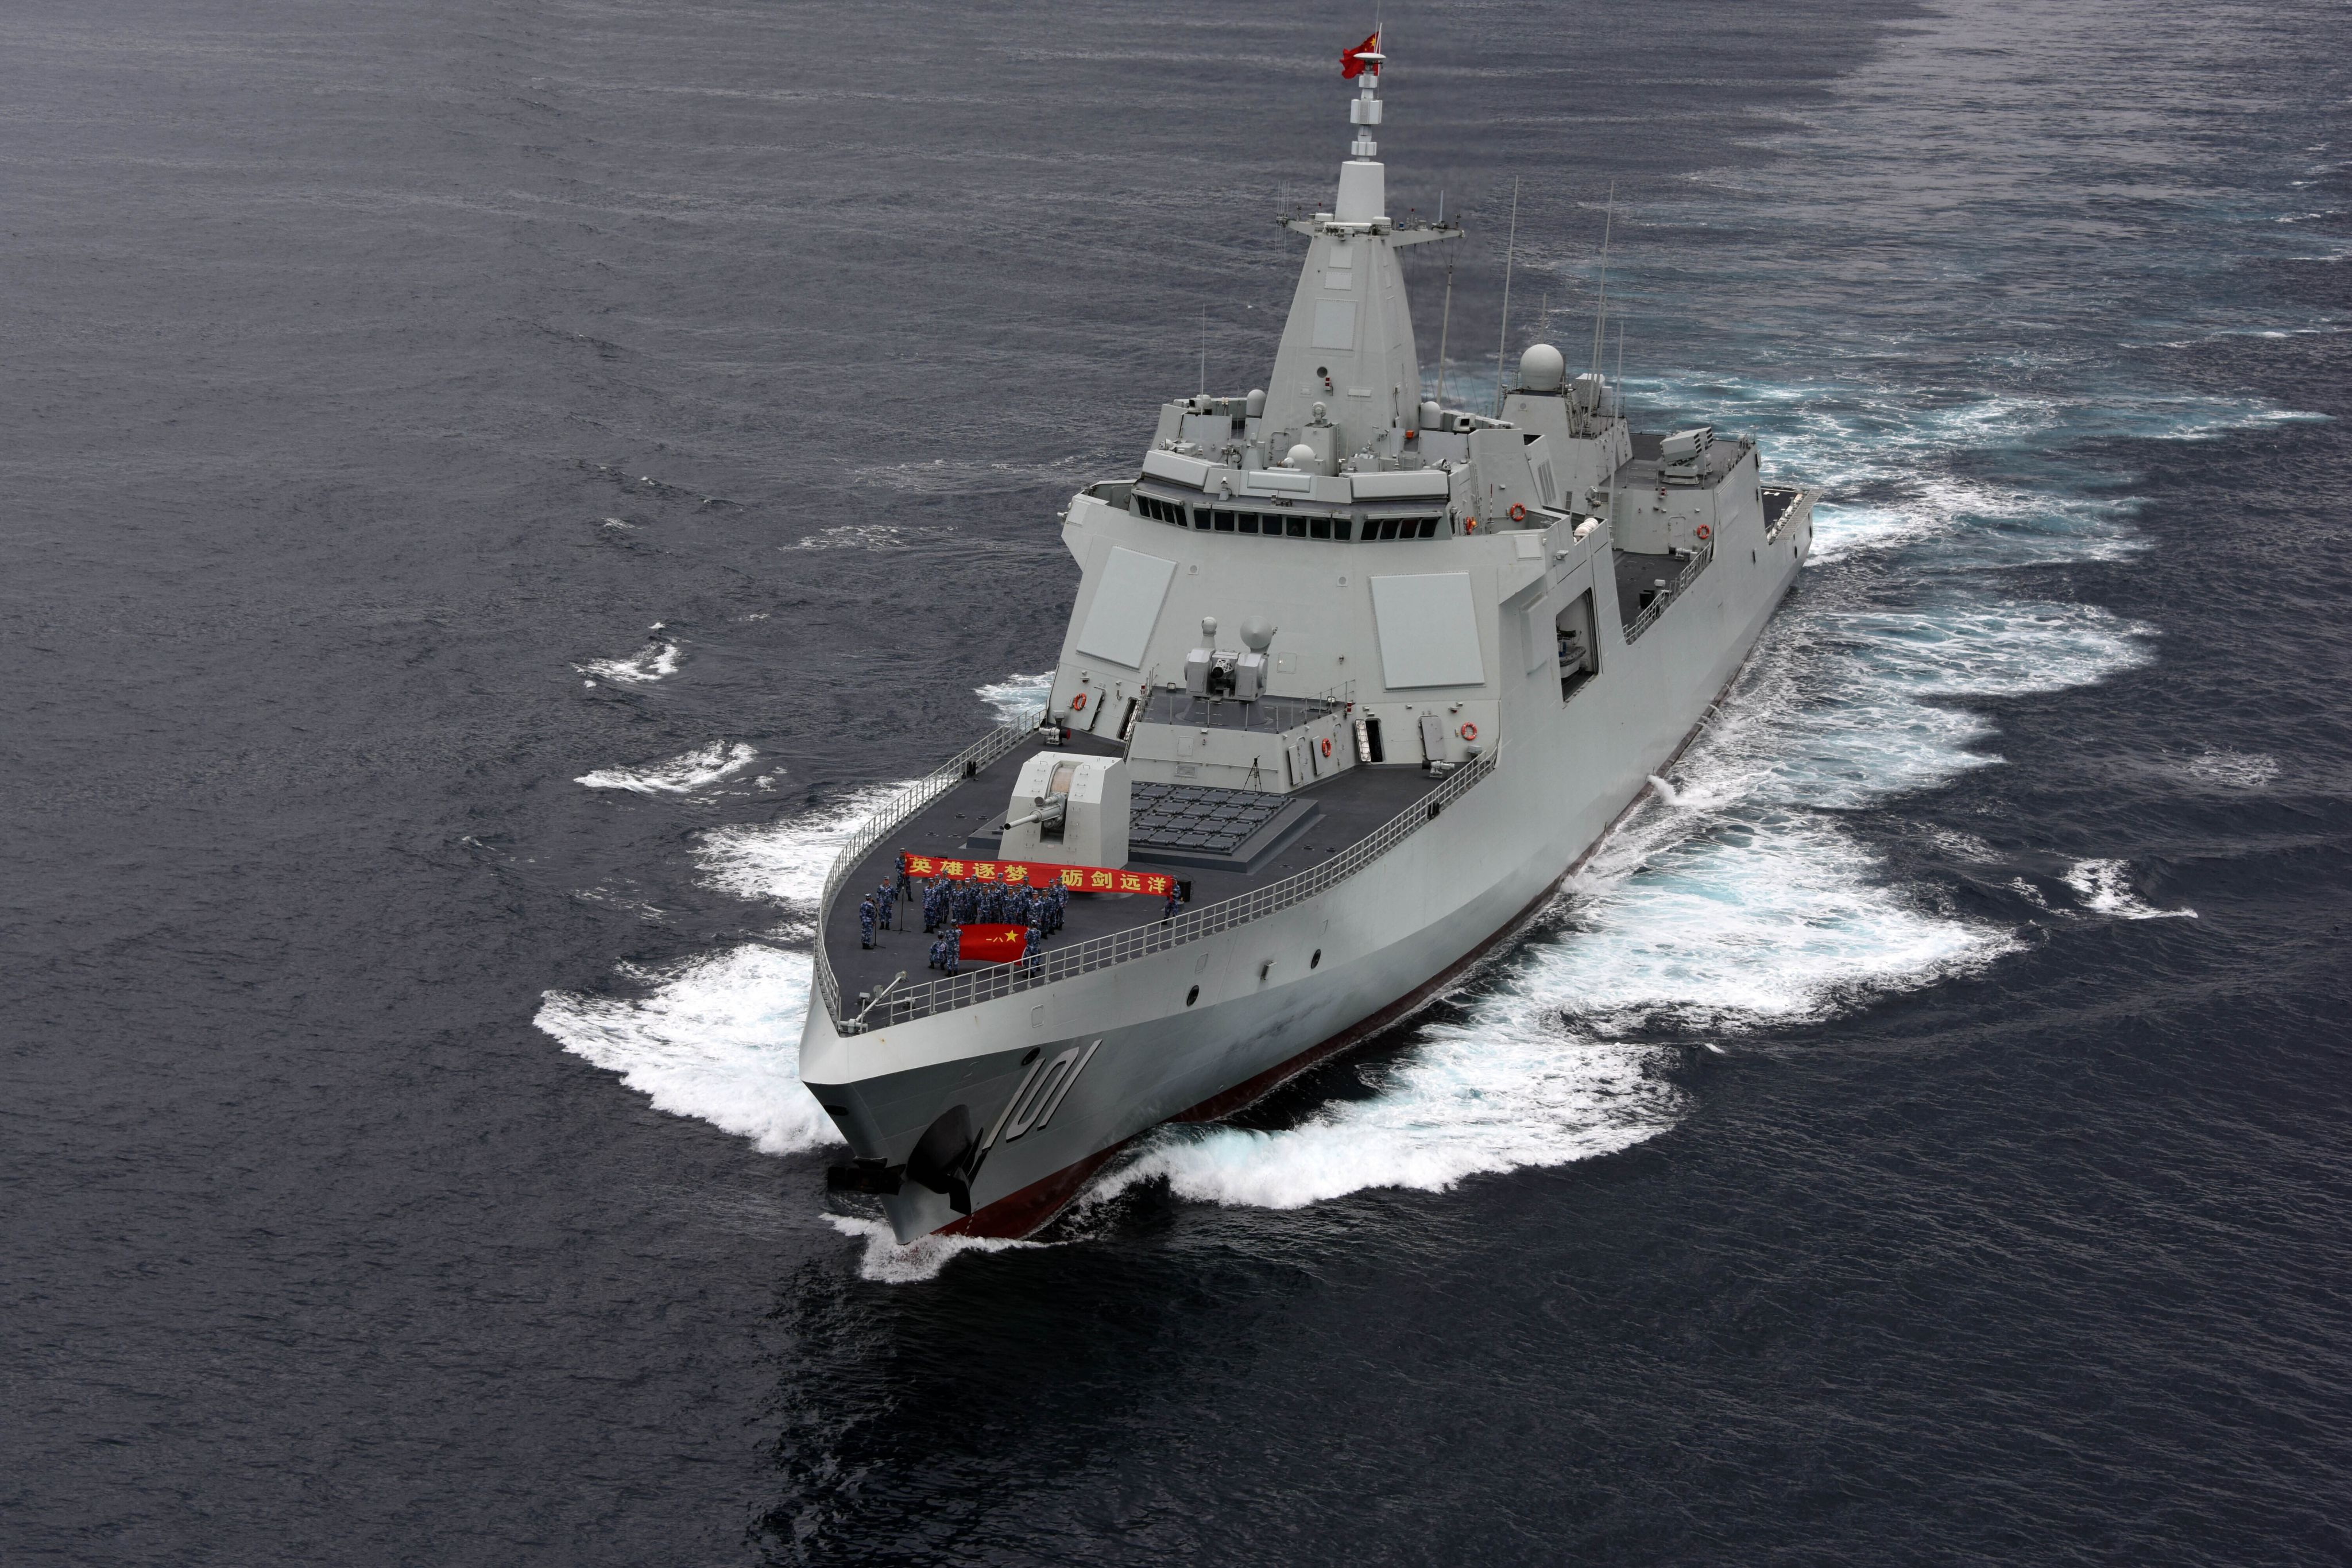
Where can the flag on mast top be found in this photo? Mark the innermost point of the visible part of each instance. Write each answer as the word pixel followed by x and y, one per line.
pixel 1361 65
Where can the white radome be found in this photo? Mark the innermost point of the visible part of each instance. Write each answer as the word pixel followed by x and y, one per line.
pixel 1541 367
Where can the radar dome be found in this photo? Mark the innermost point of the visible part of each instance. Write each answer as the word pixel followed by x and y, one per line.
pixel 1300 456
pixel 1257 632
pixel 1540 368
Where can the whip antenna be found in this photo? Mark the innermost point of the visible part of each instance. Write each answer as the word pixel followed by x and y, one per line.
pixel 1503 338
pixel 1601 310
pixel 1621 366
pixel 1446 321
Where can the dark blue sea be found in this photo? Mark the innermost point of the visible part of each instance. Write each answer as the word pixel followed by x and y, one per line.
pixel 493 490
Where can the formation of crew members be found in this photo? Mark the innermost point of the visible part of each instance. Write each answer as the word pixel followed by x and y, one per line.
pixel 966 901
pixel 950 903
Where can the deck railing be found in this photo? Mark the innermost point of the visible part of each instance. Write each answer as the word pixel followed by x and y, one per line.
pixel 1050 964
pixel 894 815
pixel 1673 590
pixel 1801 503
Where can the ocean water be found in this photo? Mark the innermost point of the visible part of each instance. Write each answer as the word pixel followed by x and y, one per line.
pixel 502 491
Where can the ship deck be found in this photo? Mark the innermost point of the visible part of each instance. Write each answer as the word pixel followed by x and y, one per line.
pixel 1638 574
pixel 1350 806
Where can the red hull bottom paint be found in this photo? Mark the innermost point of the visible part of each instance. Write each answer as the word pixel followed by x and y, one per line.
pixel 1031 1209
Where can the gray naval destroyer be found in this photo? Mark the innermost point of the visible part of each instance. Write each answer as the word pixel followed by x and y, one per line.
pixel 1370 675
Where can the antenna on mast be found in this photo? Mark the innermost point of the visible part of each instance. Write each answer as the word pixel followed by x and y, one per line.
pixel 1503 338
pixel 1601 310
pixel 1205 352
pixel 1446 321
pixel 1620 383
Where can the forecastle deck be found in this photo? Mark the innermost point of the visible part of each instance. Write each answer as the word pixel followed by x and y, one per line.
pixel 1358 816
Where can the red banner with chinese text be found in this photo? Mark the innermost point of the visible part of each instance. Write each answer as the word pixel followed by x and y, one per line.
pixel 1034 873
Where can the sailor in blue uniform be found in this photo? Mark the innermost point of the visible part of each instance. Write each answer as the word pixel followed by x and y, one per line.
pixel 955 949
pixel 866 924
pixel 1175 902
pixel 886 898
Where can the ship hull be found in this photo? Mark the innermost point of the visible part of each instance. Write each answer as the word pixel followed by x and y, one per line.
pixel 1198 1030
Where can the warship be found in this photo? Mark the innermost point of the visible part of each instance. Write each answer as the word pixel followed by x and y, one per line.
pixel 1352 683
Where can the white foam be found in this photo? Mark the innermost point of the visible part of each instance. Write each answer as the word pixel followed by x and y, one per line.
pixel 679 775
pixel 1015 696
pixel 715 1036
pixel 785 861
pixel 718 1037
pixel 2105 887
pixel 1833 713
pixel 865 537
pixel 1487 1097
pixel 886 1262
pixel 2236 769
pixel 656 660
pixel 1731 920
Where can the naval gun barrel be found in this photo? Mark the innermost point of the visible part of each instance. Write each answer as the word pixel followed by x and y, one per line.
pixel 1049 813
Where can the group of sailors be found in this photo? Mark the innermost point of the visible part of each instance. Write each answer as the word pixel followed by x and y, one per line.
pixel 950 903
pixel 966 901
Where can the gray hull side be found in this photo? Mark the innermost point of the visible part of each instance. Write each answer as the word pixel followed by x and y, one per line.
pixel 1565 775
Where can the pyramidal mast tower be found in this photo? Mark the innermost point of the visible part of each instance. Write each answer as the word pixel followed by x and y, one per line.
pixel 1348 344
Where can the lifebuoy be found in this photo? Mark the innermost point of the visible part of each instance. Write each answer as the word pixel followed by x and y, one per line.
pixel 1469 525
pixel 1078 703
pixel 1326 748
pixel 1704 531
pixel 1468 732
pixel 1518 513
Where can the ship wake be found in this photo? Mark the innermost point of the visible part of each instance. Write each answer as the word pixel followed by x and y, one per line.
pixel 717 1036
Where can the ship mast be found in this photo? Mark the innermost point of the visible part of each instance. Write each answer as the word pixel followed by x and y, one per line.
pixel 1365 112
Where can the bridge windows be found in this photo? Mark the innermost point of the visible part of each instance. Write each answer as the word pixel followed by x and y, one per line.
pixel 1283 525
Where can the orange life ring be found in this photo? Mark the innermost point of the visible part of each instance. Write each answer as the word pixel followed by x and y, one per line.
pixel 1078 703
pixel 1326 748
pixel 1469 525
pixel 1518 513
pixel 1468 732
pixel 1704 531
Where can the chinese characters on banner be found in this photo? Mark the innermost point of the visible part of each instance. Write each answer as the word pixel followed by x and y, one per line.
pixel 1076 878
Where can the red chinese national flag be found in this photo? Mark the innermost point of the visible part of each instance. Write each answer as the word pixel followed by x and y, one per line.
pixel 992 943
pixel 1352 63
